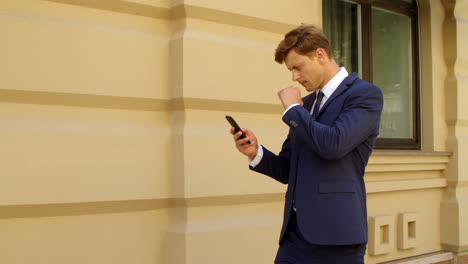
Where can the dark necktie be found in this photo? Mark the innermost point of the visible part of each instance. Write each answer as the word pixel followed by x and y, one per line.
pixel 317 104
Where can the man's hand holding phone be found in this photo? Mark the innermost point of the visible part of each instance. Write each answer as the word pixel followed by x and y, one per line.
pixel 246 141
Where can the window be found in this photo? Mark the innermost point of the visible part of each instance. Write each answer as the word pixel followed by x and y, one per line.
pixel 378 39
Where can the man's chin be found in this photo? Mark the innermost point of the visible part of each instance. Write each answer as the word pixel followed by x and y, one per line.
pixel 310 89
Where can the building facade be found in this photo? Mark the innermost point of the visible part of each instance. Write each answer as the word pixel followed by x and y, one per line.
pixel 115 149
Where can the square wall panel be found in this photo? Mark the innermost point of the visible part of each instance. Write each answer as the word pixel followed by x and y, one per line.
pixel 407 230
pixel 380 234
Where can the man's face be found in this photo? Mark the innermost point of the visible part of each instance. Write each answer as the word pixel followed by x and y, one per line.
pixel 305 70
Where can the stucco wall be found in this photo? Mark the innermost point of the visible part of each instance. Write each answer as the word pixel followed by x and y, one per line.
pixel 115 149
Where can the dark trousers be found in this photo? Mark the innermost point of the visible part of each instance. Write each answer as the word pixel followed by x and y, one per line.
pixel 294 249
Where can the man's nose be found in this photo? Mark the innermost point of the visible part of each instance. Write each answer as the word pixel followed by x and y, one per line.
pixel 295 76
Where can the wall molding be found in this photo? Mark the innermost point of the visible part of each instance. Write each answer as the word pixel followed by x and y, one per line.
pixel 398 161
pixel 121 6
pixel 83 208
pixel 183 11
pixel 174 104
pixel 83 100
pixel 229 18
pixel 404 185
pixel 123 206
pixel 134 103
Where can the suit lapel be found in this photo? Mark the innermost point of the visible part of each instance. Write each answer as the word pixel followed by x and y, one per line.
pixel 341 88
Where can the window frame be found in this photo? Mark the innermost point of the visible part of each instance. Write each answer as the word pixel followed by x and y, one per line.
pixel 410 10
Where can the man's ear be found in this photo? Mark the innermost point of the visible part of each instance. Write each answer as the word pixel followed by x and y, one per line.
pixel 321 55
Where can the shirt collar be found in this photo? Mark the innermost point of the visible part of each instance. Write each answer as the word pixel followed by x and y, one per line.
pixel 331 85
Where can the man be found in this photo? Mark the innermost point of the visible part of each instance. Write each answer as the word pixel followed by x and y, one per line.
pixel 332 132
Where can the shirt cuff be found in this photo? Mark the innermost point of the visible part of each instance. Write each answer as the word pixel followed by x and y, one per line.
pixel 257 158
pixel 291 106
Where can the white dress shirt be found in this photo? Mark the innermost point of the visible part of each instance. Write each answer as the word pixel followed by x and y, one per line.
pixel 327 91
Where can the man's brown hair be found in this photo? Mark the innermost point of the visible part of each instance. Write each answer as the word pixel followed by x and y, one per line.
pixel 304 40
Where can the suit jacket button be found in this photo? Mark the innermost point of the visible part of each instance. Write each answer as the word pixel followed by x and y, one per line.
pixel 294 124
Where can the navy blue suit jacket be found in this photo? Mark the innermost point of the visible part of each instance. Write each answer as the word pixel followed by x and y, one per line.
pixel 323 161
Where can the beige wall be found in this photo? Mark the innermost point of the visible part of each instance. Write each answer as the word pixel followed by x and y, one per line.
pixel 115 148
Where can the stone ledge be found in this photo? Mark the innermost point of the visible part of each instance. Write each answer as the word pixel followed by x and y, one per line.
pixel 403 185
pixel 397 161
pixel 433 258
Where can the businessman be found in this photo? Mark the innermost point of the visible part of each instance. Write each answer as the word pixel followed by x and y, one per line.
pixel 332 132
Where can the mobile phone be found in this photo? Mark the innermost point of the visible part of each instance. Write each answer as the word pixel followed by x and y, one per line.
pixel 237 128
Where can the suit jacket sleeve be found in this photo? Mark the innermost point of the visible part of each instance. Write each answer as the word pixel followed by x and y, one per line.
pixel 358 119
pixel 275 166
